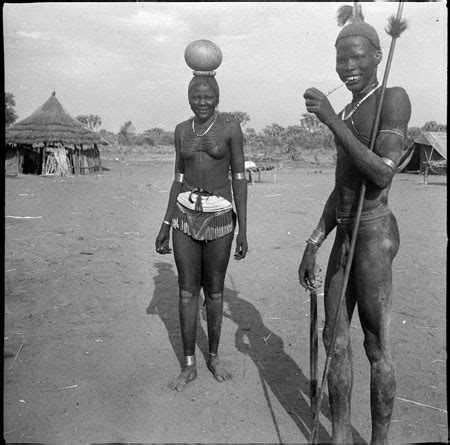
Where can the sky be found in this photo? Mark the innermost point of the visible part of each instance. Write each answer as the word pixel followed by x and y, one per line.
pixel 124 61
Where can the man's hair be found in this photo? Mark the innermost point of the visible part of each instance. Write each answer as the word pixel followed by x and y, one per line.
pixel 357 27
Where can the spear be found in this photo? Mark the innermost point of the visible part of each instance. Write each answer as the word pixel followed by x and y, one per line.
pixel 313 348
pixel 395 28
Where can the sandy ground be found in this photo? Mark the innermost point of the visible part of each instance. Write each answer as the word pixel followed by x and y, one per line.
pixel 91 314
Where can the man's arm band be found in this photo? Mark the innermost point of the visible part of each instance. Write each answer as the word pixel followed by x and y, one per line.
pixel 237 176
pixel 397 132
pixel 178 177
pixel 389 162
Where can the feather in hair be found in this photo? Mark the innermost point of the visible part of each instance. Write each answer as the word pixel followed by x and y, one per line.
pixel 357 13
pixel 344 14
pixel 347 13
pixel 395 26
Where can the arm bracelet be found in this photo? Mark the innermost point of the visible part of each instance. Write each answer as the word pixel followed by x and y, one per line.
pixel 178 177
pixel 389 162
pixel 238 176
pixel 317 237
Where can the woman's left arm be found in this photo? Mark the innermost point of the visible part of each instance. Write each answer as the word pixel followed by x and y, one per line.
pixel 239 184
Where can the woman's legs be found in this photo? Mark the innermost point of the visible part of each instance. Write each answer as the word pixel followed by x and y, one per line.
pixel 200 264
pixel 188 258
pixel 216 255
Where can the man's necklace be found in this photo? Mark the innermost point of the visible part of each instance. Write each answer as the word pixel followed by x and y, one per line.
pixel 344 118
pixel 209 128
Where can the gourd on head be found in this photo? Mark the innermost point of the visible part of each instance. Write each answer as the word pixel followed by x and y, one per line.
pixel 203 56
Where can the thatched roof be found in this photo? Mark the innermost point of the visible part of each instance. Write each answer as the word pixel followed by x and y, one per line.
pixel 51 123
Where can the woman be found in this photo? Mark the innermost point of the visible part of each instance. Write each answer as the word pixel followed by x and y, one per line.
pixel 203 220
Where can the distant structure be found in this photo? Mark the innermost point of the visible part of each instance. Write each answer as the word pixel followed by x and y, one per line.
pixel 426 154
pixel 51 142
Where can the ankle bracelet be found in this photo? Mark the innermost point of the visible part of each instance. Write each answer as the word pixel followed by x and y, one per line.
pixel 212 354
pixel 189 360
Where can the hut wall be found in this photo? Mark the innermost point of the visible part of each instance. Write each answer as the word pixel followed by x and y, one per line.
pixel 98 158
pixel 51 160
pixel 89 160
pixel 31 161
pixel 13 162
pixel 56 161
pixel 21 159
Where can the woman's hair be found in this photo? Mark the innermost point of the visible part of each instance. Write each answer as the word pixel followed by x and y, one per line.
pixel 208 80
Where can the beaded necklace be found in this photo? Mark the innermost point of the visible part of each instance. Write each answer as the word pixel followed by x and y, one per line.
pixel 209 128
pixel 344 118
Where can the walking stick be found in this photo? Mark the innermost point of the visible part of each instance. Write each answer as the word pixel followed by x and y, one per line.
pixel 396 27
pixel 314 349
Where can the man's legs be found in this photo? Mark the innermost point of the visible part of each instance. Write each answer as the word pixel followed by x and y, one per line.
pixel 216 256
pixel 188 258
pixel 340 376
pixel 378 244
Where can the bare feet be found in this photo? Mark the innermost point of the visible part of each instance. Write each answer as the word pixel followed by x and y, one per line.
pixel 219 369
pixel 188 374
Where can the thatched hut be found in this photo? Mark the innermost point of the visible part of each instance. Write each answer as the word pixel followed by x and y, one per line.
pixel 51 142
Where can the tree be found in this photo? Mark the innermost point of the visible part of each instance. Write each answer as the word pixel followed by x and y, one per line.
pixel 241 116
pixel 91 121
pixel 127 133
pixel 434 126
pixel 273 132
pixel 156 132
pixel 411 135
pixel 148 137
pixel 167 138
pixel 310 123
pixel 293 138
pixel 158 136
pixel 316 134
pixel 249 135
pixel 10 112
pixel 108 136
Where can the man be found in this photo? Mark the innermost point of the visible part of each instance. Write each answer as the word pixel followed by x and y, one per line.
pixel 358 55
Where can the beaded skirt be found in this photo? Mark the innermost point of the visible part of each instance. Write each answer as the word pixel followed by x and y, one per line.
pixel 215 220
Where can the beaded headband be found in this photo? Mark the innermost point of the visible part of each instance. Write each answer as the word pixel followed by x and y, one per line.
pixel 204 73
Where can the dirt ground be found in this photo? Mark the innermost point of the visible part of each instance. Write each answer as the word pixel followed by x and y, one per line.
pixel 91 314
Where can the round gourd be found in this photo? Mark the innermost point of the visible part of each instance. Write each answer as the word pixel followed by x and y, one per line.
pixel 203 55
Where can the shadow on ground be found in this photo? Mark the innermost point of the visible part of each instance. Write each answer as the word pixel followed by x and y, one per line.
pixel 279 374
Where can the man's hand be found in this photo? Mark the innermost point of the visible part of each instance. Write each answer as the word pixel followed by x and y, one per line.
pixel 162 240
pixel 241 247
pixel 317 103
pixel 307 269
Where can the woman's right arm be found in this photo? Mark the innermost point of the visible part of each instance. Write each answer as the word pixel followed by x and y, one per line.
pixel 162 240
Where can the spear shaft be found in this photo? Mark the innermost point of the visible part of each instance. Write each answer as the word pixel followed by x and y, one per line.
pixel 314 349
